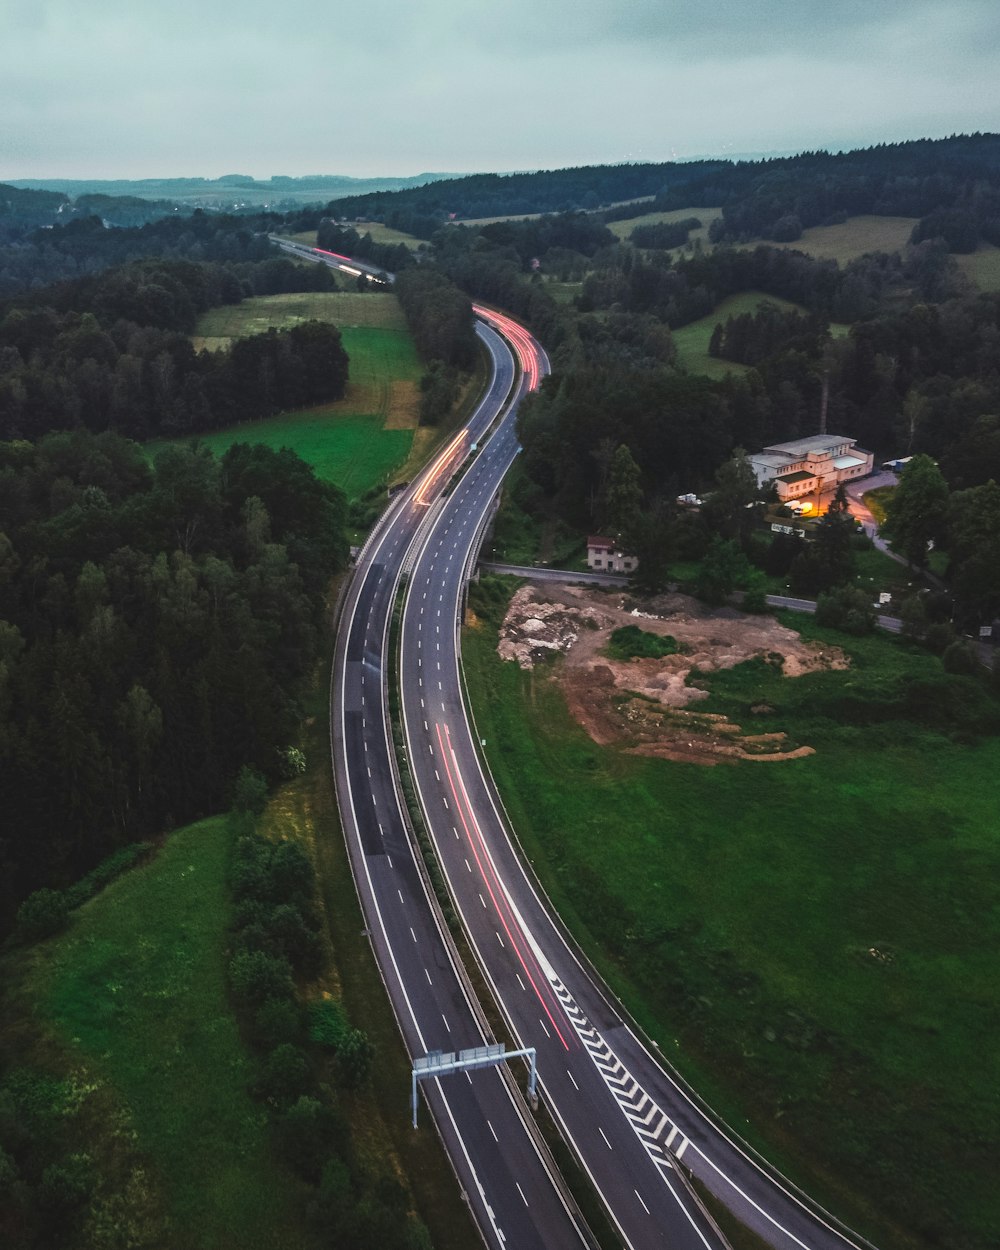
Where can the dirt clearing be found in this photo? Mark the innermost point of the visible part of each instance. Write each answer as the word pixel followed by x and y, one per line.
pixel 645 705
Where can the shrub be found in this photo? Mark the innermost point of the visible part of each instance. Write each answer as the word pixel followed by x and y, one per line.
pixel 939 636
pixel 249 791
pixel 278 1020
pixel 256 976
pixel 106 872
pixel 960 658
pixel 848 609
pixel 306 1133
pixel 285 1074
pixel 41 914
pixel 355 1057
pixel 327 1023
pixel 291 874
pixel 630 641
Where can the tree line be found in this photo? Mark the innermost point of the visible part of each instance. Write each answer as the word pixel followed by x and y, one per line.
pixel 156 627
pixel 113 352
pixel 86 246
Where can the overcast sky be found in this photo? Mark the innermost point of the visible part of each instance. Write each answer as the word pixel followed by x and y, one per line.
pixel 140 88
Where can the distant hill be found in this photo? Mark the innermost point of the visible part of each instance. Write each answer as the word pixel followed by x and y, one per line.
pixel 230 190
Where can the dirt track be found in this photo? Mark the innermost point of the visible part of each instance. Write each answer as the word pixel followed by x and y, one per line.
pixel 644 705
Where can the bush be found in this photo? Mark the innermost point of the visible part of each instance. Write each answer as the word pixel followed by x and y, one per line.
pixel 847 609
pixel 355 1057
pixel 41 914
pixel 256 976
pixel 327 1023
pixel 278 1020
pixel 630 641
pixel 291 874
pixel 106 872
pixel 939 636
pixel 285 1074
pixel 960 658
pixel 249 791
pixel 307 1132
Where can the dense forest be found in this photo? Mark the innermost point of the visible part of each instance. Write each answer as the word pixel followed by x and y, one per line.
pixel 86 246
pixel 156 625
pixel 113 352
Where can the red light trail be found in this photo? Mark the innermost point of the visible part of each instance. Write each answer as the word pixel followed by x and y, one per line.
pixel 516 937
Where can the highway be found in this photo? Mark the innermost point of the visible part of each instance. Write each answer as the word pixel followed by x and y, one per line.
pixel 502 1169
pixel 632 1124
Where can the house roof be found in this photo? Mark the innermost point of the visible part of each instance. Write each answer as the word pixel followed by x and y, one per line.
pixel 811 443
pixel 798 476
pixel 847 462
pixel 595 540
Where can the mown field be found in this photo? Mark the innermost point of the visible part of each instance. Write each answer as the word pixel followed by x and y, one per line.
pixel 364 438
pixel 852 238
pixel 812 941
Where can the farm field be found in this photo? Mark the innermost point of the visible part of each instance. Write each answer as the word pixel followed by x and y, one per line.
pixel 364 438
pixel 851 238
pixel 982 267
pixel 809 940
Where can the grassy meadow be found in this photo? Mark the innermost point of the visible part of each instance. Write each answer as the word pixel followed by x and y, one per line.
pixel 852 238
pixel 361 440
pixel 131 1002
pixel 811 942
pixel 982 267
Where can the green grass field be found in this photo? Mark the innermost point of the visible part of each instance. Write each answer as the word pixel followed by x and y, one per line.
pixel 852 238
pixel 135 991
pixel 811 942
pixel 693 339
pixel 362 439
pixel 982 267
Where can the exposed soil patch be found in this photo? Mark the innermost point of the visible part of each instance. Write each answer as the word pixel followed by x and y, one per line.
pixel 645 704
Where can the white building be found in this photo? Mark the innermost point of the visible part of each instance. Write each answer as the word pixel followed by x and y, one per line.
pixel 812 466
pixel 604 556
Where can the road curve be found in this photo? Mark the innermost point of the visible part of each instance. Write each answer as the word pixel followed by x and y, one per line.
pixel 505 1174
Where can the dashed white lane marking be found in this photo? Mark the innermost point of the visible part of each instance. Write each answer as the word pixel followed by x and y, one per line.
pixel 428 976
pixel 468 865
pixel 412 934
pixel 519 981
pixel 446 1024
pixel 482 900
pixel 573 1079
pixel 521 1192
pixel 641 1203
pixel 499 938
pixel 542 1023
pixel 400 893
pixel 389 858
pixel 605 1136
pixel 493 1131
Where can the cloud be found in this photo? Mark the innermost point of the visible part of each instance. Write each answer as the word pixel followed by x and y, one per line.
pixel 139 87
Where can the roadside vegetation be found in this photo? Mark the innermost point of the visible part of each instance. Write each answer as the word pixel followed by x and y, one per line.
pixel 190 1063
pixel 810 948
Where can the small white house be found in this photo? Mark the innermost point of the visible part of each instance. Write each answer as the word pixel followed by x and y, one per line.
pixel 605 556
